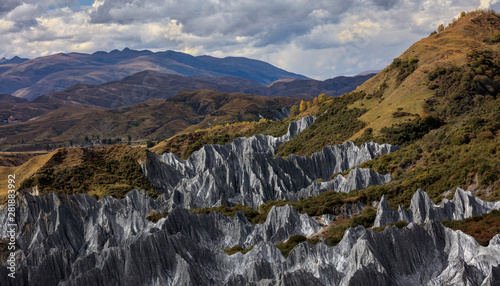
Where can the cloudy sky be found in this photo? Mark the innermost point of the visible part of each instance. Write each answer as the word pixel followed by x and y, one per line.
pixel 320 39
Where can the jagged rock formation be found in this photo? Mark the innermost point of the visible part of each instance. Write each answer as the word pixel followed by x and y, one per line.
pixel 358 178
pixel 76 240
pixel 245 171
pixel 62 235
pixel 422 209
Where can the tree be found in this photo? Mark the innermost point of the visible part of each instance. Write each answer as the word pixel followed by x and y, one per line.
pixel 129 139
pixel 440 28
pixel 321 98
pixel 309 104
pixel 294 111
pixel 315 101
pixel 149 144
pixel 303 106
pixel 462 14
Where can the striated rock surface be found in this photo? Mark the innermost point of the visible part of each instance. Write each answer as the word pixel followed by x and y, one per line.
pixel 62 235
pixel 246 172
pixel 76 240
pixel 358 178
pixel 422 210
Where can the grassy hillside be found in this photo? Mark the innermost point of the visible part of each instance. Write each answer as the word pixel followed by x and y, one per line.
pixel 12 159
pixel 22 172
pixel 112 171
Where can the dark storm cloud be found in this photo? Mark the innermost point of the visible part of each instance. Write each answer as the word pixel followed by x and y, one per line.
pixel 9 5
pixel 386 4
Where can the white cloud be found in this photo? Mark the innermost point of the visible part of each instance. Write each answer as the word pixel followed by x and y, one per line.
pixel 486 4
pixel 320 39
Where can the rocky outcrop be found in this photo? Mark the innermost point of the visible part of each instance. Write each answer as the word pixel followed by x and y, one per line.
pixel 76 240
pixel 246 172
pixel 422 209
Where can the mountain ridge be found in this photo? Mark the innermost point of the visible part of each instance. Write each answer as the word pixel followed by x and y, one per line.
pixel 43 75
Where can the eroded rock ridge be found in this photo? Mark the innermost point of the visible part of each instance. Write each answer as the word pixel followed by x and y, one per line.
pixel 246 171
pixel 422 210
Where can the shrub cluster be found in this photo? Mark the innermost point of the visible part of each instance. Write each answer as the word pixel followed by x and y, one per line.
pixel 236 248
pixel 155 216
pixel 408 132
pixel 294 240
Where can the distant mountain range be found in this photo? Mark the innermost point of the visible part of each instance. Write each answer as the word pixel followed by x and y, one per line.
pixel 150 84
pixel 32 78
pixel 14 60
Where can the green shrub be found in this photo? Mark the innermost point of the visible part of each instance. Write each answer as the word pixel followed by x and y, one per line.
pixel 400 224
pixel 286 247
pixel 404 68
pixel 236 248
pixel 155 216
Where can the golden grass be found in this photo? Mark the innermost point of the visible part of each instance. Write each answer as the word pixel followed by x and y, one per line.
pixel 22 172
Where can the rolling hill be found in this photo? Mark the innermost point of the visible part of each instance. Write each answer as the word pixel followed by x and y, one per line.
pixel 148 84
pixel 153 119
